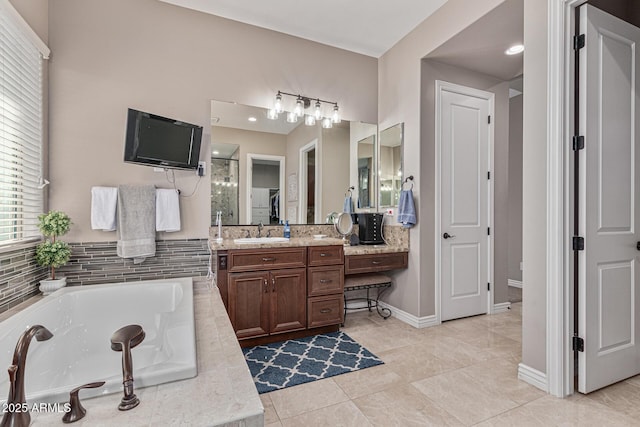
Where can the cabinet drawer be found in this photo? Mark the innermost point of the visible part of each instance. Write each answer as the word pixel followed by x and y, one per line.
pixel 326 255
pixel 325 311
pixel 375 262
pixel 325 280
pixel 266 259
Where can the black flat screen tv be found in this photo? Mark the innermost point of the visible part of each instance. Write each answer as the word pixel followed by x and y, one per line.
pixel 162 142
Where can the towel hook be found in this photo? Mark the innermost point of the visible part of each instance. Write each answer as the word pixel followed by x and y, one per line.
pixel 407 179
pixel 348 192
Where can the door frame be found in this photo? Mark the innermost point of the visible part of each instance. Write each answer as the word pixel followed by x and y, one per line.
pixel 250 158
pixel 463 90
pixel 559 254
pixel 302 189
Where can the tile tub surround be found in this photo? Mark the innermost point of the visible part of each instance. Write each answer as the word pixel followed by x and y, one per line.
pixel 19 274
pixel 94 263
pixel 223 393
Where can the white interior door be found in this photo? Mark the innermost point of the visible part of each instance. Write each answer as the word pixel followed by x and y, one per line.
pixel 463 137
pixel 608 201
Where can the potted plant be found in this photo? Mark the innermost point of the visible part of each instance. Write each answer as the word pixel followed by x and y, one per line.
pixel 53 253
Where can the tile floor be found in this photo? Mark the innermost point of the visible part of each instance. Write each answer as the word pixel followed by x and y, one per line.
pixel 461 373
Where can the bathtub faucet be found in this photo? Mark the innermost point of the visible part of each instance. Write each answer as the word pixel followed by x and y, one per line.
pixel 124 339
pixel 16 397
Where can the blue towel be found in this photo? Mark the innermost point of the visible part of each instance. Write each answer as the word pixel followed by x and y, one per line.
pixel 348 205
pixel 406 209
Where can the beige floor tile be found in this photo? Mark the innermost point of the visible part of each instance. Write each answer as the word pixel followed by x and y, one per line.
pixel 368 381
pixel 551 411
pixel 342 414
pixel 302 398
pixel 403 406
pixel 470 401
pixel 452 349
pixel 501 375
pixel 416 362
pixel 270 414
pixel 623 397
pixel 276 424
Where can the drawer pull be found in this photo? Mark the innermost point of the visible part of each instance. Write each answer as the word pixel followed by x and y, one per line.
pixel 323 254
pixel 325 310
pixel 266 286
pixel 273 282
pixel 326 280
pixel 265 259
pixel 376 262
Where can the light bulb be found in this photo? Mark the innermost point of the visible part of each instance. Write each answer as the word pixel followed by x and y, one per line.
pixel 335 117
pixel 317 112
pixel 299 108
pixel 515 49
pixel 326 123
pixel 309 120
pixel 292 117
pixel 277 106
pixel 272 114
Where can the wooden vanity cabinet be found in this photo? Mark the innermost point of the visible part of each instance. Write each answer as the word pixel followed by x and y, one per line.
pixel 371 263
pixel 325 286
pixel 265 295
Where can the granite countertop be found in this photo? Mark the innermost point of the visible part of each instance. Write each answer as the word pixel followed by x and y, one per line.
pixel 308 241
pixel 223 393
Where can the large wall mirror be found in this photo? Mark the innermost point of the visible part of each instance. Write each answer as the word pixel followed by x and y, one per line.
pixel 265 170
pixel 390 166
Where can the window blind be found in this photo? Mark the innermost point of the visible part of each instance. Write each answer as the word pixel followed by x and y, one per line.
pixel 21 116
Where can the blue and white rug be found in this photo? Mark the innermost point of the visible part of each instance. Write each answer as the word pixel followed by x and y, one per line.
pixel 288 363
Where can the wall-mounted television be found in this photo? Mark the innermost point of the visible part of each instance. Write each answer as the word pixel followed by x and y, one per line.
pixel 162 142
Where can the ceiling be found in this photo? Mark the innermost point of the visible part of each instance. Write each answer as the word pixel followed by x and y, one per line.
pixel 481 46
pixel 369 27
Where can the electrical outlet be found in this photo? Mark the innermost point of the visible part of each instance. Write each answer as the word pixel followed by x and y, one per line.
pixel 202 169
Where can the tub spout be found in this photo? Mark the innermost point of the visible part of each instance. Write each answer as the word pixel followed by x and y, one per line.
pixel 124 339
pixel 20 416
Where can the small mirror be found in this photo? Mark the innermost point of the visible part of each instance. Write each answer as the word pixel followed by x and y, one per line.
pixel 390 165
pixel 344 225
pixel 366 172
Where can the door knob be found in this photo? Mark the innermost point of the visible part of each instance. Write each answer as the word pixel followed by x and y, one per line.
pixel 448 236
pixel 638 246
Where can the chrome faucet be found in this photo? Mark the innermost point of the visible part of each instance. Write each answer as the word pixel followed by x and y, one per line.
pixel 16 377
pixel 260 227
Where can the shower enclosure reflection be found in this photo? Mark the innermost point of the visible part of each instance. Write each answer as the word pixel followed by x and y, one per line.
pixel 224 183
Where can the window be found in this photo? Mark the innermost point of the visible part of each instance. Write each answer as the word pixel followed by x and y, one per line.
pixel 21 127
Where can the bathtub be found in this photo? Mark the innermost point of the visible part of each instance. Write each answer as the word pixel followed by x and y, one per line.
pixel 82 320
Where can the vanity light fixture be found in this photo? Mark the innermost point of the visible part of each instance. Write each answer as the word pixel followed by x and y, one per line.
pixel 515 49
pixel 302 103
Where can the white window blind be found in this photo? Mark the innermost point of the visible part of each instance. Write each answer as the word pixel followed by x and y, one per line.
pixel 21 139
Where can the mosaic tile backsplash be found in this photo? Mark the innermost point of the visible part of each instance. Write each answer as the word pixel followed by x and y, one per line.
pixel 19 276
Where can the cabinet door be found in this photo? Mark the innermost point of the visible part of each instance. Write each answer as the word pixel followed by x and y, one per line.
pixel 249 303
pixel 288 300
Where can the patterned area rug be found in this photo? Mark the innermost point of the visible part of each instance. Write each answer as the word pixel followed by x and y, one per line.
pixel 288 363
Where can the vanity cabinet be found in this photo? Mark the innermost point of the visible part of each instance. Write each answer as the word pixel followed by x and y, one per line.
pixel 372 263
pixel 273 294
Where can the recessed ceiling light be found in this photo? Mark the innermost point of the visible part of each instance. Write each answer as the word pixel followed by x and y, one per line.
pixel 253 119
pixel 216 152
pixel 515 49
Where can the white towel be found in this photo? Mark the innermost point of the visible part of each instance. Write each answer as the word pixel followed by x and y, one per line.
pixel 103 208
pixel 167 210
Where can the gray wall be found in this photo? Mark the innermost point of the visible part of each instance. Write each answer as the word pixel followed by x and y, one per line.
pixel 266 176
pixel 153 56
pixel 515 189
pixel 432 71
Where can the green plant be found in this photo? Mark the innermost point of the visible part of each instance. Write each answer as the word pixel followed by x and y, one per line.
pixel 52 253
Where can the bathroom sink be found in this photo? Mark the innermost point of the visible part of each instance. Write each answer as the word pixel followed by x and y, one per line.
pixel 254 240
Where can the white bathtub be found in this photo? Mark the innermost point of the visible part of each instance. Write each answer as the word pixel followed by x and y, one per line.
pixel 82 320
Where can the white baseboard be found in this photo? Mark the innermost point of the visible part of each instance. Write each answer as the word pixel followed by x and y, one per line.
pixel 515 283
pixel 533 376
pixel 501 307
pixel 410 319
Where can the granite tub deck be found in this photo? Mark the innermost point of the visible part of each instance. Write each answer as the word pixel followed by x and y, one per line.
pixel 223 393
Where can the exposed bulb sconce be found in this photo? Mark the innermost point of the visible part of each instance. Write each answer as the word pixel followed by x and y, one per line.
pixel 42 183
pixel 298 110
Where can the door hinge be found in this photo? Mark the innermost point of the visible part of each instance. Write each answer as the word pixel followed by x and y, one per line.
pixel 578 142
pixel 578 42
pixel 578 243
pixel 488 175
pixel 489 119
pixel 488 231
pixel 577 344
pixel 488 286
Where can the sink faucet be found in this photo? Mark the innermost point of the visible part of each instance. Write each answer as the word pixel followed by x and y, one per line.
pixel 260 227
pixel 16 376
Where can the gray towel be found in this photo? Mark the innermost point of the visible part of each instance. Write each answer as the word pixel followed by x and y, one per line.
pixel 136 222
